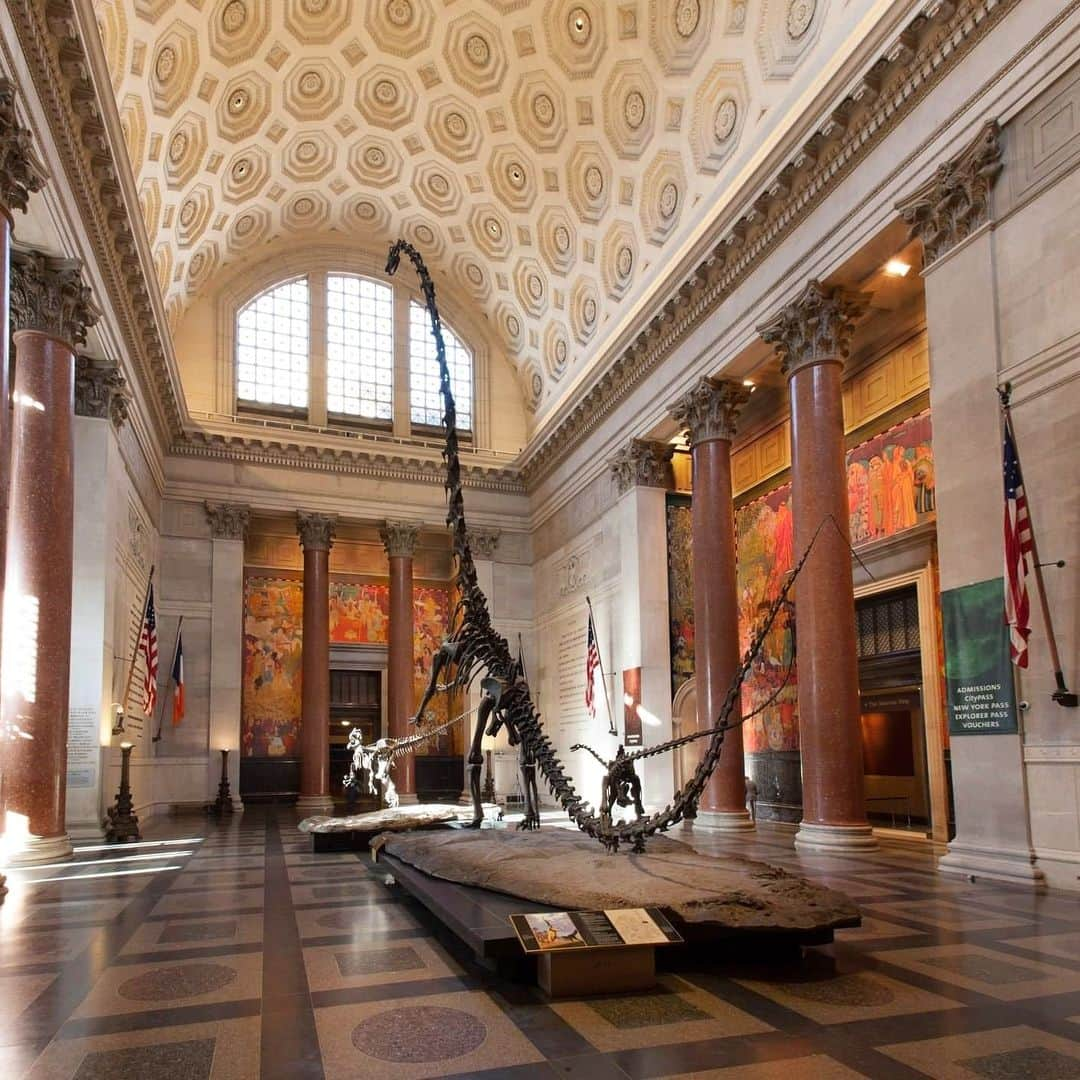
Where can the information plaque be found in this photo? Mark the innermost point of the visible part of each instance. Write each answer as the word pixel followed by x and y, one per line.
pixel 568 931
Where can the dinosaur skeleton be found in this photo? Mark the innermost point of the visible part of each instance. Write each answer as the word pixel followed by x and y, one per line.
pixel 474 649
pixel 377 758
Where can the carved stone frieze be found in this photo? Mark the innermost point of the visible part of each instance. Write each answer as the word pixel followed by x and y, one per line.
pixel 316 531
pixel 955 201
pixel 815 327
pixel 228 521
pixel 20 171
pixel 101 390
pixel 711 409
pixel 483 542
pixel 642 463
pixel 48 295
pixel 399 538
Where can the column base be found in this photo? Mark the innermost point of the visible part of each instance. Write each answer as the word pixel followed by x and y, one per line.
pixel 237 805
pixel 973 863
pixel 311 805
pixel 838 838
pixel 725 820
pixel 408 798
pixel 41 849
pixel 85 832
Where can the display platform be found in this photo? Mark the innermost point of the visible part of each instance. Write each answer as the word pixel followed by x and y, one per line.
pixel 354 832
pixel 474 881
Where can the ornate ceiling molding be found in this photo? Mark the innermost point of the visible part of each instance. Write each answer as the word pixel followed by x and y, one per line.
pixel 923 53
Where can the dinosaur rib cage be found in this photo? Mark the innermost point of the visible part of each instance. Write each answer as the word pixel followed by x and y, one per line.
pixel 484 648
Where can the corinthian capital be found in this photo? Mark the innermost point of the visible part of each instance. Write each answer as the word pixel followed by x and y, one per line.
pixel 399 538
pixel 710 410
pixel 100 390
pixel 20 171
pixel 228 521
pixel 816 326
pixel 48 295
pixel 642 463
pixel 955 201
pixel 316 531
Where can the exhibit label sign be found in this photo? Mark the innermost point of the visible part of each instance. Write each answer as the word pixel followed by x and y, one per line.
pixel 978 673
pixel 559 931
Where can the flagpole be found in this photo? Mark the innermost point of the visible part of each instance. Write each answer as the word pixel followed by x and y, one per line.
pixel 165 696
pixel 612 729
pixel 135 652
pixel 1062 695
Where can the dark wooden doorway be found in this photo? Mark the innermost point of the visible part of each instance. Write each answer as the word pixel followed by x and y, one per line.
pixel 355 702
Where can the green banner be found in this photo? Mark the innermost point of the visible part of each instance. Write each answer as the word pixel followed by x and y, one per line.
pixel 978 673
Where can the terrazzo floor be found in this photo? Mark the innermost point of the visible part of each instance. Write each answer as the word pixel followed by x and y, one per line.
pixel 231 952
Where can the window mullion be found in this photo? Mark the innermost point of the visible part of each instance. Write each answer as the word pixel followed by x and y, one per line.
pixel 317 364
pixel 402 421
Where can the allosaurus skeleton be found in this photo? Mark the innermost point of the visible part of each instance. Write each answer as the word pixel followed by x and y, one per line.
pixel 474 648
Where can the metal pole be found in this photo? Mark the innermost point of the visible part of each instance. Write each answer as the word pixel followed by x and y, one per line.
pixel 612 729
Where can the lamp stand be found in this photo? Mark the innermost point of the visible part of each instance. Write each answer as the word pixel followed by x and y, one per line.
pixel 488 794
pixel 223 803
pixel 122 823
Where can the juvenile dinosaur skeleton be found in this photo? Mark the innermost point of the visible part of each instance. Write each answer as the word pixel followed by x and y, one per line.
pixel 475 649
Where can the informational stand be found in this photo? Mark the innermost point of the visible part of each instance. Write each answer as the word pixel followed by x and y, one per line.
pixel 594 952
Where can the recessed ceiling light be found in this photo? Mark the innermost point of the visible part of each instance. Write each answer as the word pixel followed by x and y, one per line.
pixel 897 268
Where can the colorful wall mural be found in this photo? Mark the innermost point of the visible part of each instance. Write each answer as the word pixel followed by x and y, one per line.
pixel 273 647
pixel 890 489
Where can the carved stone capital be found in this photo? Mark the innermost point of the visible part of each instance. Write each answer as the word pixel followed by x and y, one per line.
pixel 399 538
pixel 316 531
pixel 101 390
pixel 816 326
pixel 20 171
pixel 711 409
pixel 228 521
pixel 483 542
pixel 48 295
pixel 642 463
pixel 955 201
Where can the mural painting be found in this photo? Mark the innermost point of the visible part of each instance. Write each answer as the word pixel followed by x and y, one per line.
pixel 273 634
pixel 680 591
pixel 890 489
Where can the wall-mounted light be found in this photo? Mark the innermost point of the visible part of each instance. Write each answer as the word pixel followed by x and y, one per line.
pixel 118 720
pixel 897 268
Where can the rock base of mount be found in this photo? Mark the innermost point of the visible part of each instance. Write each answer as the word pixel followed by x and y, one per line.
pixel 356 830
pixel 705 895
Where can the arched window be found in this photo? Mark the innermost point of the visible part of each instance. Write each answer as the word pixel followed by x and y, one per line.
pixel 272 346
pixel 425 402
pixel 359 348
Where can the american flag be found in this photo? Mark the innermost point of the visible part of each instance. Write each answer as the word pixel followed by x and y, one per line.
pixel 148 650
pixel 592 662
pixel 1018 547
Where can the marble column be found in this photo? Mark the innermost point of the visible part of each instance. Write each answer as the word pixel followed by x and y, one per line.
pixel 399 538
pixel 228 526
pixel 316 537
pixel 50 313
pixel 708 413
pixel 638 613
pixel 812 336
pixel 952 213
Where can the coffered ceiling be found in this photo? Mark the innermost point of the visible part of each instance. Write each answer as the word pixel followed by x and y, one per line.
pixel 547 154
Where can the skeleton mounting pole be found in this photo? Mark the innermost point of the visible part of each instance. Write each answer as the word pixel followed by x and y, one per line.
pixel 612 729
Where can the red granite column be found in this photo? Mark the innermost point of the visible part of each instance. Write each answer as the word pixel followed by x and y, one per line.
pixel 316 537
pixel 709 413
pixel 400 541
pixel 812 336
pixel 50 313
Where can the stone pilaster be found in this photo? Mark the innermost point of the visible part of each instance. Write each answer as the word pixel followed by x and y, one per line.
pixel 101 390
pixel 812 336
pixel 399 538
pixel 483 542
pixel 642 463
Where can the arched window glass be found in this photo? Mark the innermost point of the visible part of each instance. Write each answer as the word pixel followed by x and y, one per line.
pixel 425 402
pixel 359 348
pixel 272 342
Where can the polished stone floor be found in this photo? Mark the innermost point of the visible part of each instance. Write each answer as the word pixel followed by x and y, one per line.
pixel 225 952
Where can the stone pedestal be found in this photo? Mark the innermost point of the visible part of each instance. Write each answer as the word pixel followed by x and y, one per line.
pixel 399 539
pixel 51 311
pixel 228 524
pixel 812 336
pixel 709 413
pixel 951 213
pixel 316 536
